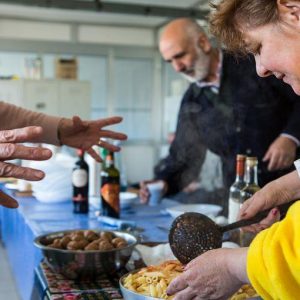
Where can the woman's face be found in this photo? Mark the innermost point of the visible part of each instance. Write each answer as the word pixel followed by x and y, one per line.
pixel 276 49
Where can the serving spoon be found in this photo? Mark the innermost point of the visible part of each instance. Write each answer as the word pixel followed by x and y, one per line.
pixel 192 234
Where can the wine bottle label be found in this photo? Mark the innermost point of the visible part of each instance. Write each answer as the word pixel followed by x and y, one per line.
pixel 110 193
pixel 80 198
pixel 79 178
pixel 233 210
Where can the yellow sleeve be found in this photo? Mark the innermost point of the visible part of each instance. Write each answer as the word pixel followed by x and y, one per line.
pixel 273 262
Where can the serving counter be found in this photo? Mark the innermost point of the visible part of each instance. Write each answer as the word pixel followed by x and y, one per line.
pixel 20 226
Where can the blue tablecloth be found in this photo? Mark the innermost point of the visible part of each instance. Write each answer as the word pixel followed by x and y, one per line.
pixel 20 226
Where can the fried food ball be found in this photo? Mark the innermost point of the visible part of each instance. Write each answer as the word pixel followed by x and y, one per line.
pixel 56 244
pixel 75 245
pixel 65 241
pixel 92 246
pixel 105 245
pixel 91 235
pixel 107 235
pixel 121 245
pixel 77 236
pixel 118 240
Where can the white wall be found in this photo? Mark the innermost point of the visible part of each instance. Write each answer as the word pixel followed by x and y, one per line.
pixel 116 35
pixel 26 30
pixel 62 32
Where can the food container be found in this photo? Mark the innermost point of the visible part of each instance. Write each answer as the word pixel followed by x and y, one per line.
pixel 80 264
pixel 130 295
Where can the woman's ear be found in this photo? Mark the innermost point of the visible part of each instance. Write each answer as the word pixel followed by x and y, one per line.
pixel 289 11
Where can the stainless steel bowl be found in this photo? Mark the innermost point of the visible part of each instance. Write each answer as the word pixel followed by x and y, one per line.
pixel 79 264
pixel 130 295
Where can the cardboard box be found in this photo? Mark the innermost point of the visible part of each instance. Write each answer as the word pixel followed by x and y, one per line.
pixel 66 68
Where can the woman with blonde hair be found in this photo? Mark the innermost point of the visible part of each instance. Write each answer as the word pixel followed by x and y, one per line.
pixel 270 30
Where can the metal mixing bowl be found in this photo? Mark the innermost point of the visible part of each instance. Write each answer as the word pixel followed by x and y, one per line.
pixel 130 295
pixel 79 264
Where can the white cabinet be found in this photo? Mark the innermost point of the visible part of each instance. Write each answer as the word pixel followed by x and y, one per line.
pixel 11 91
pixel 74 98
pixel 41 96
pixel 55 97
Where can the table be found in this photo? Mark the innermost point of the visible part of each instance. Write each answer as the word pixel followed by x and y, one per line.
pixel 53 286
pixel 20 226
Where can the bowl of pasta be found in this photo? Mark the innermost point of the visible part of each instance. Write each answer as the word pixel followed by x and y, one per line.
pixel 150 283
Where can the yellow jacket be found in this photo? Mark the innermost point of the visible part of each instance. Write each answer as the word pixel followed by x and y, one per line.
pixel 273 263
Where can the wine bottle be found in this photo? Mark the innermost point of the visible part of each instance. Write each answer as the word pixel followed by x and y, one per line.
pixel 247 192
pixel 251 186
pixel 234 201
pixel 80 183
pixel 110 188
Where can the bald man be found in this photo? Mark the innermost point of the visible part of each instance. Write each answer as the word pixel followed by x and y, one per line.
pixel 227 109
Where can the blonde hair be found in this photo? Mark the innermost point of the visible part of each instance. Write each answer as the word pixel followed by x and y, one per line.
pixel 230 17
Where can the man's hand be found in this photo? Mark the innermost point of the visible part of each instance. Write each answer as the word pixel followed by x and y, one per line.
pixel 281 153
pixel 10 149
pixel 192 187
pixel 144 192
pixel 85 134
pixel 8 201
pixel 216 274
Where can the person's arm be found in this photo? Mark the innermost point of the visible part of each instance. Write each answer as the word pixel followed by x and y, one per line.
pixel 282 152
pixel 273 261
pixel 37 127
pixel 216 274
pixel 279 191
pixel 12 117
pixel 73 132
pixel 187 151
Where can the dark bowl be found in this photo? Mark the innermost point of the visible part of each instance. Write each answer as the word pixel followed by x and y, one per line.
pixel 81 264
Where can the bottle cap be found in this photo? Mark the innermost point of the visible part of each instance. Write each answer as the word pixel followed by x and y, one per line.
pixel 241 157
pixel 297 165
pixel 109 157
pixel 80 152
pixel 251 161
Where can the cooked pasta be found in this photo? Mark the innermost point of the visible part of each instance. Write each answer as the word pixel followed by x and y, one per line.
pixel 154 280
pixel 245 292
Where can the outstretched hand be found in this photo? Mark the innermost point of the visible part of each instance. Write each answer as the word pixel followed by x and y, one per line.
pixel 10 149
pixel 81 134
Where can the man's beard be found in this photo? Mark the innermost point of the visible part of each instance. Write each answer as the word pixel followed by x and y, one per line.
pixel 200 68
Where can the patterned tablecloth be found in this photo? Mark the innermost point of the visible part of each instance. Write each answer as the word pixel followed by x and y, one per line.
pixel 57 287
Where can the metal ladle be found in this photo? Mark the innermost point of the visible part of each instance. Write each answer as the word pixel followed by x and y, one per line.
pixel 192 234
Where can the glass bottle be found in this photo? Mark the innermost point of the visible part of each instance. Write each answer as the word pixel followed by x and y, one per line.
pixel 248 191
pixel 236 188
pixel 110 188
pixel 80 184
pixel 251 179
